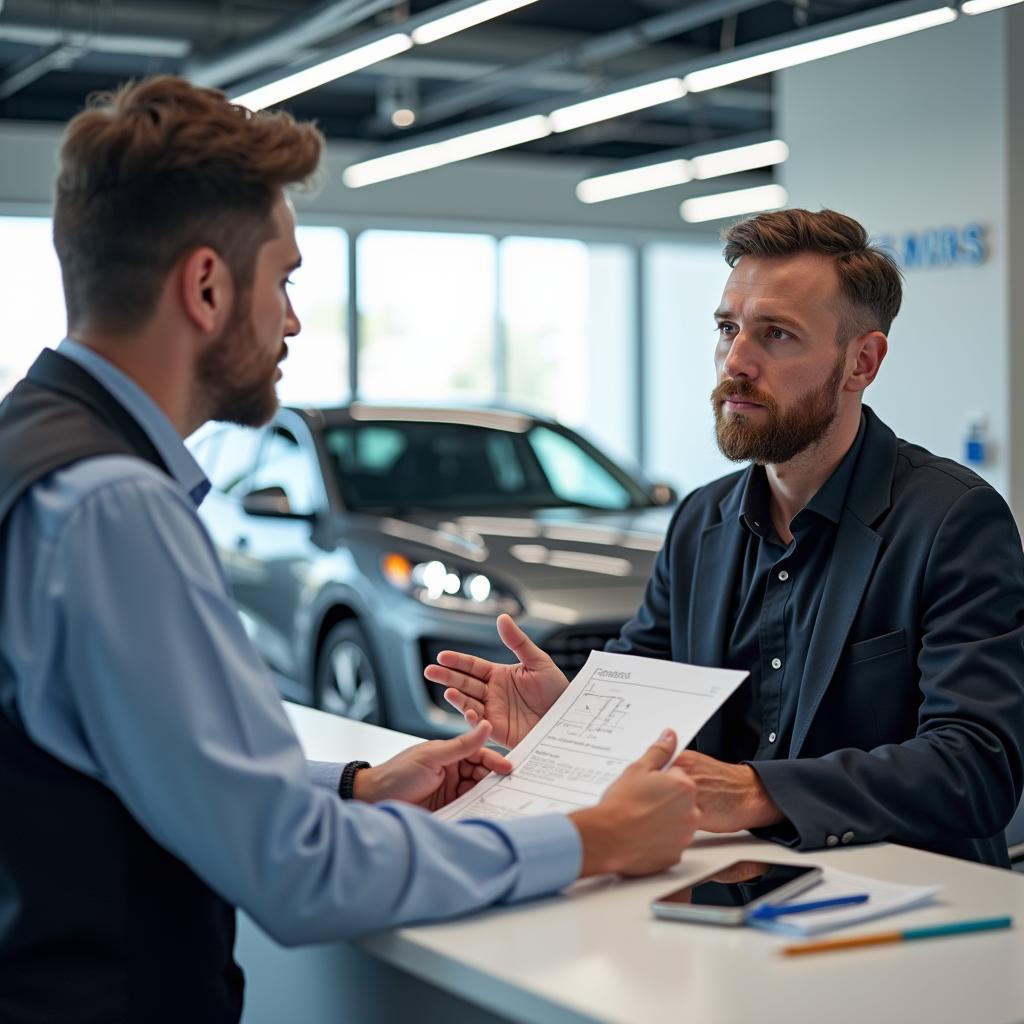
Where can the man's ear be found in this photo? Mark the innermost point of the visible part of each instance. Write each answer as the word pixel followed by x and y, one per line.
pixel 867 352
pixel 206 289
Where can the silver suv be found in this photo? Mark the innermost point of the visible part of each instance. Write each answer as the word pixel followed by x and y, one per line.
pixel 359 542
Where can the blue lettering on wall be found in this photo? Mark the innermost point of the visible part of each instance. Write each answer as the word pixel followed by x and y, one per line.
pixel 938 247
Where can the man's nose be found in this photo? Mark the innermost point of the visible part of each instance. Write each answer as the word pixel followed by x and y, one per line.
pixel 740 358
pixel 292 324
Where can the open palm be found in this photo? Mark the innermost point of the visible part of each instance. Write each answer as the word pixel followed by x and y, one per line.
pixel 511 697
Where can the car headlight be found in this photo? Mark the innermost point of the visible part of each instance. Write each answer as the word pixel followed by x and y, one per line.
pixel 446 586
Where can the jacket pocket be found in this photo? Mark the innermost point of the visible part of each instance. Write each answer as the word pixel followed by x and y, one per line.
pixel 877 646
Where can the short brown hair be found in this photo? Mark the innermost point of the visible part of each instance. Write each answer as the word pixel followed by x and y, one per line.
pixel 159 167
pixel 869 279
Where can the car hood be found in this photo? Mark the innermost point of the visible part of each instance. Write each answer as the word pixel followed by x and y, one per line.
pixel 550 549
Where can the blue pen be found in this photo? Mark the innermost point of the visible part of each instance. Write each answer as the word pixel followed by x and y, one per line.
pixel 768 912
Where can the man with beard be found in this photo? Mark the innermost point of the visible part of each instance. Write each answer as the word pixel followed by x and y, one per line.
pixel 149 778
pixel 874 591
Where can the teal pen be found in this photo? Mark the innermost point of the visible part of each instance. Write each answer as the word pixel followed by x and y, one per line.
pixel 983 924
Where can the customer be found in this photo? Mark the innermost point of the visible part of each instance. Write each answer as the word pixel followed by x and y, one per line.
pixel 873 591
pixel 149 779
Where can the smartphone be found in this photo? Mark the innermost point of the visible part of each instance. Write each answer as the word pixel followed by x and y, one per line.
pixel 731 893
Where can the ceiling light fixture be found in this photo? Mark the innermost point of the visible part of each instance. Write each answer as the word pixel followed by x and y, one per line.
pixel 633 181
pixel 742 158
pixel 983 6
pixel 447 151
pixel 449 24
pixel 731 204
pixel 802 53
pixel 326 71
pixel 616 103
pixel 679 171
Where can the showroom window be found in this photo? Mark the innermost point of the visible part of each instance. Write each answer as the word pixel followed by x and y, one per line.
pixel 426 315
pixel 31 296
pixel 316 371
pixel 567 312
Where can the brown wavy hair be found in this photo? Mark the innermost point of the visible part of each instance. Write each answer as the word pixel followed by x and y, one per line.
pixel 154 169
pixel 870 284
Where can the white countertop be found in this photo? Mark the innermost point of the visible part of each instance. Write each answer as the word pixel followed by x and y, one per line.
pixel 597 954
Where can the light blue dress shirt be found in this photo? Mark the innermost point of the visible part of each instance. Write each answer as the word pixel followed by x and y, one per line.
pixel 133 667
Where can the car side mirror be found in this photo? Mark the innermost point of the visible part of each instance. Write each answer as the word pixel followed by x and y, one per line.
pixel 272 502
pixel 664 494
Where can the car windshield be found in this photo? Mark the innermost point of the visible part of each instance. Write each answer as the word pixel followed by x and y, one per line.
pixel 388 466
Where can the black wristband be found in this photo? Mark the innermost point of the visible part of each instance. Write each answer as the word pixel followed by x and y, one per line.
pixel 347 783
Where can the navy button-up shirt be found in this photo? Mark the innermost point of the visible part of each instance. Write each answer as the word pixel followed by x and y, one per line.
pixel 775 599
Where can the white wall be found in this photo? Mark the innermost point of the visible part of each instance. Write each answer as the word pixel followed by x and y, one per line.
pixel 907 135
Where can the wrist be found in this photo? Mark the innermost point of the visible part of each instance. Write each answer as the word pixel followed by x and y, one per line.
pixel 760 810
pixel 597 838
pixel 354 783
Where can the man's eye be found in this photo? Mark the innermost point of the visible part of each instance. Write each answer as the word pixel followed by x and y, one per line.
pixel 777 333
pixel 724 328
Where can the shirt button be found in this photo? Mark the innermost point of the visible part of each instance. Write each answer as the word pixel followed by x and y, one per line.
pixel 771 737
pixel 831 840
pixel 847 837
pixel 776 663
pixel 783 575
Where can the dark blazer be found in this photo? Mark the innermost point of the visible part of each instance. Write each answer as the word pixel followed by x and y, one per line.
pixel 910 717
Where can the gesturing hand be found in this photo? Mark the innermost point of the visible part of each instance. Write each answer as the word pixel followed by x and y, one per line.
pixel 511 697
pixel 434 773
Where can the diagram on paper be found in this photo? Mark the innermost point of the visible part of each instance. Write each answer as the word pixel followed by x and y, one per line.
pixel 604 720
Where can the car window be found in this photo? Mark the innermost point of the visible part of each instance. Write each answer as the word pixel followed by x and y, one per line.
pixel 439 465
pixel 284 463
pixel 226 454
pixel 575 476
pixel 235 459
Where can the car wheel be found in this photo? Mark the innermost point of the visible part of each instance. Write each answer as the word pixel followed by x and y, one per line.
pixel 347 680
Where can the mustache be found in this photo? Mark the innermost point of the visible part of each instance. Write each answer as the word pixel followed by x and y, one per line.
pixel 731 388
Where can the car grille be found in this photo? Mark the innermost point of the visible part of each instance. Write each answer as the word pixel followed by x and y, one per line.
pixel 570 648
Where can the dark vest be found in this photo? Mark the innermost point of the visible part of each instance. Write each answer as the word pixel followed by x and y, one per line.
pixel 98 923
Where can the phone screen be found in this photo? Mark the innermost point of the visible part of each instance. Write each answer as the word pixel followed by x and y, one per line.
pixel 736 885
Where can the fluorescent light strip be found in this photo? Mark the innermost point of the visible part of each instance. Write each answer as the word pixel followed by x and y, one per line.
pixel 436 154
pixel 452 23
pixel 625 102
pixel 629 183
pixel 983 6
pixel 324 72
pixel 742 158
pixel 802 53
pixel 730 204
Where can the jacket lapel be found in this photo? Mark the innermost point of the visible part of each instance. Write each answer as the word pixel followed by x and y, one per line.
pixel 856 550
pixel 718 557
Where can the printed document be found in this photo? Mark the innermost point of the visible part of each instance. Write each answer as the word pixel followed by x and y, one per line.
pixel 607 717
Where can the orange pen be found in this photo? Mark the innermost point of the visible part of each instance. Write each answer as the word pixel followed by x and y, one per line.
pixel 907 935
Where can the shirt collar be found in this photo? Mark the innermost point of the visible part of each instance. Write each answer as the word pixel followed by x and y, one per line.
pixel 829 500
pixel 149 416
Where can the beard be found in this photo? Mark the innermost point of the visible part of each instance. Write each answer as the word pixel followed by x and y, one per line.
pixel 236 380
pixel 785 435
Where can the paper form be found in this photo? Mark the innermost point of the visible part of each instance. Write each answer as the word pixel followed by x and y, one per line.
pixel 607 717
pixel 883 898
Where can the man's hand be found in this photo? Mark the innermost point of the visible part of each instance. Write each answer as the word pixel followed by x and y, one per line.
pixel 432 774
pixel 645 819
pixel 731 797
pixel 513 698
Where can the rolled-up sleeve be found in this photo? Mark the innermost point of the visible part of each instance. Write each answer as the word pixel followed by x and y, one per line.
pixel 182 721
